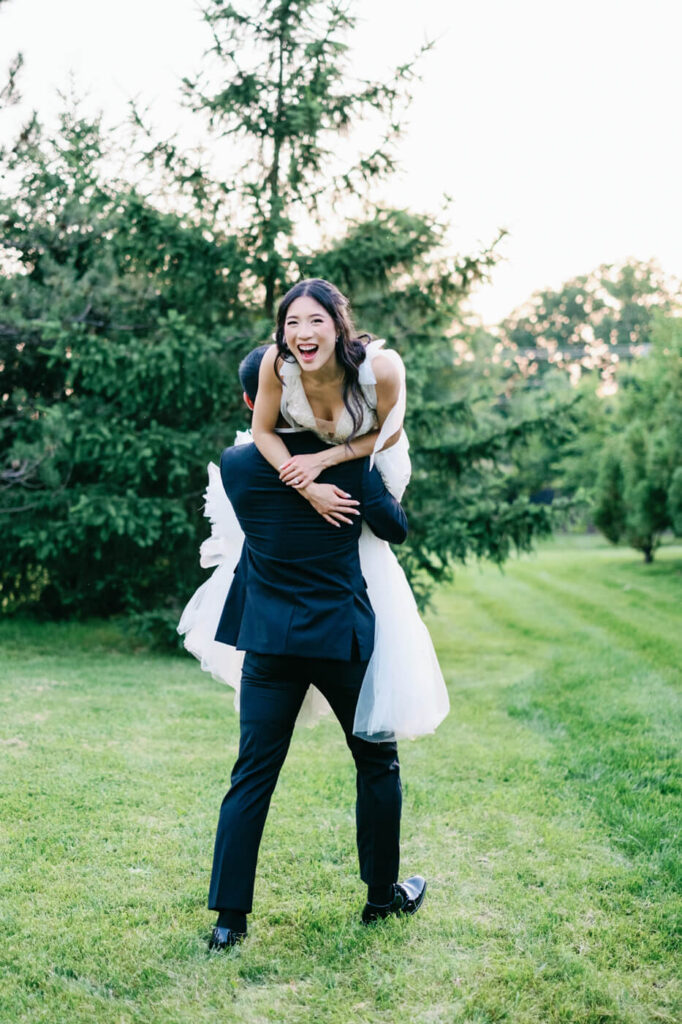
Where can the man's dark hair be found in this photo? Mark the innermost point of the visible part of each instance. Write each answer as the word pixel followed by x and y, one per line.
pixel 248 370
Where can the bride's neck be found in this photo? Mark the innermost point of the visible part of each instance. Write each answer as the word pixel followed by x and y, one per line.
pixel 329 375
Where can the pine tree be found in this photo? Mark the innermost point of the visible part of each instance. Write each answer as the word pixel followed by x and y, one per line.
pixel 638 490
pixel 123 315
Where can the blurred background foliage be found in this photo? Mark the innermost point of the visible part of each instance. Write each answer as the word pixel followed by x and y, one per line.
pixel 127 299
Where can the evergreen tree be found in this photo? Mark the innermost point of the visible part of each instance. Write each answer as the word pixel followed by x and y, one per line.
pixel 288 107
pixel 609 511
pixel 279 91
pixel 638 485
pixel 119 329
pixel 122 322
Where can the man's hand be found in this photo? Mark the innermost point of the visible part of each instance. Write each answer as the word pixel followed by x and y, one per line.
pixel 300 470
pixel 331 502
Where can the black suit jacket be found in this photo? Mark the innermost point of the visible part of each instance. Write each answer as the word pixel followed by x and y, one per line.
pixel 298 588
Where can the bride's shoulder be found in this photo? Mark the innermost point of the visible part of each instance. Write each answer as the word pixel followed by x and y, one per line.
pixel 269 378
pixel 387 366
pixel 269 356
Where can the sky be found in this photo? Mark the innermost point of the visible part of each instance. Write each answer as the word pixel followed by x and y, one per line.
pixel 559 121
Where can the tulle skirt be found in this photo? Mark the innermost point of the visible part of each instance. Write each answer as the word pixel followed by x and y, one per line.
pixel 403 694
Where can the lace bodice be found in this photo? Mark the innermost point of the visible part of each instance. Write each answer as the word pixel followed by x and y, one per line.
pixel 297 411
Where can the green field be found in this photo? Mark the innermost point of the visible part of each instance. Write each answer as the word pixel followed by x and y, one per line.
pixel 545 813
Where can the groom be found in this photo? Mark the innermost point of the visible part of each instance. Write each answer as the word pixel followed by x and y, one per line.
pixel 298 607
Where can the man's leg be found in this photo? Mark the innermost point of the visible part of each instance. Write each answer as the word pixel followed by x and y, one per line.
pixel 379 792
pixel 270 699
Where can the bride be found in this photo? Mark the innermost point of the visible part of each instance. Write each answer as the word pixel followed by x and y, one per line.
pixel 350 391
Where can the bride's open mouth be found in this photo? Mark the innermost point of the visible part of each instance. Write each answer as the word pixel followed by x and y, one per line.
pixel 308 352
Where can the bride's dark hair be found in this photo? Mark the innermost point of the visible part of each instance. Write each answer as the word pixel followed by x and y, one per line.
pixel 350 347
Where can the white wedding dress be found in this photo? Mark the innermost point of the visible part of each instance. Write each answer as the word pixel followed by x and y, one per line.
pixel 403 694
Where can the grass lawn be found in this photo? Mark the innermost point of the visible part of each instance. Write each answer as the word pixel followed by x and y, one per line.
pixel 545 813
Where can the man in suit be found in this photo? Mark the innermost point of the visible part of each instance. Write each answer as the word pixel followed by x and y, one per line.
pixel 299 608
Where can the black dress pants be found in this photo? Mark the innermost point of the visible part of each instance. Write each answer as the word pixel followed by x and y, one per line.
pixel 272 691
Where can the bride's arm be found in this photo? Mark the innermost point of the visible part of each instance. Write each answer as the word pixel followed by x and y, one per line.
pixel 330 501
pixel 307 467
pixel 266 412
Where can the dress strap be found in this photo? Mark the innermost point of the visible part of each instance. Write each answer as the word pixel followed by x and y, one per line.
pixel 289 368
pixel 365 371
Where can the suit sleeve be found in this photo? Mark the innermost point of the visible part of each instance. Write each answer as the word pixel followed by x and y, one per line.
pixel 225 467
pixel 383 513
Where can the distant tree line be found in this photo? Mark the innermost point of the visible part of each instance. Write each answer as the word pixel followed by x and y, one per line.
pixel 612 339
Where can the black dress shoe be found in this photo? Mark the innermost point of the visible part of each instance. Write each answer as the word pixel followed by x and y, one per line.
pixel 408 897
pixel 222 938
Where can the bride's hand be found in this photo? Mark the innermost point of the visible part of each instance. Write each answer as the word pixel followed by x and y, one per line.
pixel 331 502
pixel 301 470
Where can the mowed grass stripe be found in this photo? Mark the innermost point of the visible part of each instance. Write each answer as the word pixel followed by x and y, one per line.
pixel 514 617
pixel 617 723
pixel 552 781
pixel 658 634
pixel 640 699
pixel 648 633
pixel 628 672
pixel 649 590
pixel 632 729
pixel 613 750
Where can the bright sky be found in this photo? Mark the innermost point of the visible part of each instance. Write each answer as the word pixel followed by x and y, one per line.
pixel 557 120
